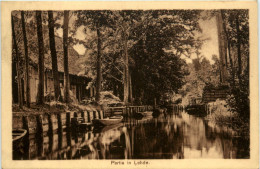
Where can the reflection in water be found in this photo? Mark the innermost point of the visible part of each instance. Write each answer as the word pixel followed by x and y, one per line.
pixel 168 136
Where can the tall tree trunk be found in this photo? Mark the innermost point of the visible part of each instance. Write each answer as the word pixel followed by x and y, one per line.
pixel 231 63
pixel 55 72
pixel 222 48
pixel 99 75
pixel 20 98
pixel 27 77
pixel 66 64
pixel 126 70
pixel 247 67
pixel 130 89
pixel 41 57
pixel 228 49
pixel 238 50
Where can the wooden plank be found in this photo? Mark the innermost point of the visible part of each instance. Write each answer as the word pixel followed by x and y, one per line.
pixel 54 122
pixel 17 122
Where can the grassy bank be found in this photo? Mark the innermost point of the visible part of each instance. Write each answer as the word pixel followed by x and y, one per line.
pixel 54 107
pixel 221 115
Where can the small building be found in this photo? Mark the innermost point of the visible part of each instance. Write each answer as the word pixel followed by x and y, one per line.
pixel 77 75
pixel 211 94
pixel 78 83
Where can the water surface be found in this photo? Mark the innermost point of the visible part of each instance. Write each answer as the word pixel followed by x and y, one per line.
pixel 168 136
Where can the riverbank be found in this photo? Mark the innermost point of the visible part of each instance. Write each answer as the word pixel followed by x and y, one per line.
pixel 221 115
pixel 54 107
pixel 53 116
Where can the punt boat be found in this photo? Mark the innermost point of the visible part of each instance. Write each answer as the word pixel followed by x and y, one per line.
pixel 17 136
pixel 107 121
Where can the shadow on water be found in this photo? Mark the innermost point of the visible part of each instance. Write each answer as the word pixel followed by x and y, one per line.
pixel 175 135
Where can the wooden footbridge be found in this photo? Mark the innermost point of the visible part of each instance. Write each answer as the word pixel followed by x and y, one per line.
pixel 128 110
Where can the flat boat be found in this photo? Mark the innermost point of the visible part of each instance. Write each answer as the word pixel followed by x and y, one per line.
pixel 18 135
pixel 147 113
pixel 107 121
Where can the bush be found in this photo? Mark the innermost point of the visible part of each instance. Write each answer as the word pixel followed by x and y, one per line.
pixel 220 112
pixel 238 102
pixel 221 115
pixel 107 97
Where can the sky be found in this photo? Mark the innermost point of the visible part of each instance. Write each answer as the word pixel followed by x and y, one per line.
pixel 209 47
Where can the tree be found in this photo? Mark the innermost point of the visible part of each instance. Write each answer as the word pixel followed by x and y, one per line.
pixel 55 72
pixel 115 44
pixel 130 89
pixel 228 48
pixel 236 28
pixel 164 36
pixel 237 33
pixel 125 23
pixel 149 49
pixel 126 65
pixel 222 48
pixel 18 68
pixel 145 44
pixel 238 48
pixel 41 57
pixel 65 48
pixel 96 21
pixel 99 74
pixel 27 77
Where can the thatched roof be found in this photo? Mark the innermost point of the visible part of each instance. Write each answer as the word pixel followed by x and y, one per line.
pixel 73 56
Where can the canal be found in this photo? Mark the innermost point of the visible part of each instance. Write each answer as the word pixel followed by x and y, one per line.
pixel 175 135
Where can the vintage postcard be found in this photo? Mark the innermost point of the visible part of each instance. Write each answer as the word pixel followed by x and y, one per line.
pixel 130 85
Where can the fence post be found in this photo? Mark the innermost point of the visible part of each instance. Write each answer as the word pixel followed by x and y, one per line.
pixel 88 114
pixel 50 130
pixel 68 119
pixel 94 115
pixel 99 114
pixel 39 124
pixel 59 123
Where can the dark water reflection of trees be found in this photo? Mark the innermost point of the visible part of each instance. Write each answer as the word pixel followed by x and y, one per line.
pixel 171 136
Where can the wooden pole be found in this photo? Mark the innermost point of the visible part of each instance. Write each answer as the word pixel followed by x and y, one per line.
pixel 66 64
pixel 20 96
pixel 41 57
pixel 27 77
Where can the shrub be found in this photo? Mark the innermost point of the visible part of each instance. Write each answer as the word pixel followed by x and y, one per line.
pixel 222 115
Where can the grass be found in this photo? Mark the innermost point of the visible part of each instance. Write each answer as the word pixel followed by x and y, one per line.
pixel 221 116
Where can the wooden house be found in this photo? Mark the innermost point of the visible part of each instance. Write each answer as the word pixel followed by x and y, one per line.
pixel 211 94
pixel 77 74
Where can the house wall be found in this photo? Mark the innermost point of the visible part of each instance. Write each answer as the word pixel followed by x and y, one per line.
pixel 214 94
pixel 77 85
pixel 34 81
pixel 92 91
pixel 73 89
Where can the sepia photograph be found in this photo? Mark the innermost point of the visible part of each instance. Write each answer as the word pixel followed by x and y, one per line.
pixel 131 84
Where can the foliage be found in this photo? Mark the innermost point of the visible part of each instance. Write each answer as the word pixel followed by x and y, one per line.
pixel 221 115
pixel 237 34
pixel 157 68
pixel 107 97
pixel 202 74
pixel 239 99
pixel 155 42
pixel 219 112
